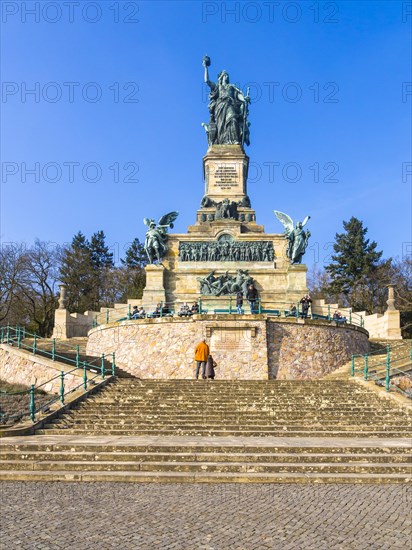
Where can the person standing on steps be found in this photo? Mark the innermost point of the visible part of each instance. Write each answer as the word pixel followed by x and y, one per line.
pixel 210 368
pixel 201 356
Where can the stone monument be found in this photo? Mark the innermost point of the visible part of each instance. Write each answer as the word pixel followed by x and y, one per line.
pixel 225 249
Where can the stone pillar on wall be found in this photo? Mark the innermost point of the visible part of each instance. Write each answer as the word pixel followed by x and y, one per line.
pixel 296 282
pixel 154 291
pixel 392 317
pixel 61 316
pixel 61 324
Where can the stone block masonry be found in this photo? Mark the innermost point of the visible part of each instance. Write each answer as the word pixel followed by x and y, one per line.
pixel 245 347
pixel 22 367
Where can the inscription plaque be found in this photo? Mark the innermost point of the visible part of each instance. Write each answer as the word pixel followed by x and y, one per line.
pixel 236 340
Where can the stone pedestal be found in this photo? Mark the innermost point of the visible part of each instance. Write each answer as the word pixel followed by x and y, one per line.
pixel 296 281
pixel 393 324
pixel 154 291
pixel 62 324
pixel 225 171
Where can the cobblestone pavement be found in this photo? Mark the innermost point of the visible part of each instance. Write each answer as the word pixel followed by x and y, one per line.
pixel 209 517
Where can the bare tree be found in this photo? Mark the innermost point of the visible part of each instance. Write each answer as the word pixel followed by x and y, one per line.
pixel 37 286
pixel 11 266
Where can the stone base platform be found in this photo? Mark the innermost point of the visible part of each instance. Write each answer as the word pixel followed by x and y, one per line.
pixel 245 347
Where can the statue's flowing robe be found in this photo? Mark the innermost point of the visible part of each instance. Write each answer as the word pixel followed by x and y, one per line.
pixel 226 107
pixel 299 244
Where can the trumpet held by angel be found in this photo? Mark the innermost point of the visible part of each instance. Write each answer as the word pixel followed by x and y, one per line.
pixel 296 236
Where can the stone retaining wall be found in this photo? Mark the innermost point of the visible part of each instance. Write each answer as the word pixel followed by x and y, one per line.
pixel 21 367
pixel 244 346
pixel 309 351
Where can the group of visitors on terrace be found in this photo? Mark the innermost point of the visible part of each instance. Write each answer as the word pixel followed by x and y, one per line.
pixel 300 309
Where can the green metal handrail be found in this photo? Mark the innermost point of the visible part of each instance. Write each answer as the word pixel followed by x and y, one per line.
pixel 10 335
pixel 116 315
pixel 383 371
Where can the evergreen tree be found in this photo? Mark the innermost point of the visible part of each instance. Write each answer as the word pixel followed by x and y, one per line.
pixel 135 255
pixel 101 257
pixel 132 276
pixel 102 264
pixel 76 272
pixel 356 267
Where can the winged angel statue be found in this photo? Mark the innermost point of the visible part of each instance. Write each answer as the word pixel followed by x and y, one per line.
pixel 156 236
pixel 297 238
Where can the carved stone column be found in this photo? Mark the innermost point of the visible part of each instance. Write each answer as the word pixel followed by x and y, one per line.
pixel 62 299
pixel 391 298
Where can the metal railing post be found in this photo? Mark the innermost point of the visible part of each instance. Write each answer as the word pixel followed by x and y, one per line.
pixel 200 311
pixel 388 368
pixel 77 356
pixel 113 364
pixel 352 368
pixel 8 334
pixel 350 316
pixel 102 367
pixel 2 335
pixel 129 313
pixel 32 404
pixel 328 312
pixel 230 304
pixel 62 387
pixel 259 306
pixel 84 376
pixel 366 368
pixel 34 343
pixel 19 339
pixel 53 349
pixel 107 315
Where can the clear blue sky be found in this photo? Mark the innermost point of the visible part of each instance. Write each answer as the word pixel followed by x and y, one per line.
pixel 327 93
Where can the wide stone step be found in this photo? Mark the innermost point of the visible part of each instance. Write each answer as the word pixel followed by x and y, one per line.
pixel 170 392
pixel 225 432
pixel 235 406
pixel 204 457
pixel 224 424
pixel 211 477
pixel 274 423
pixel 190 466
pixel 246 416
pixel 205 445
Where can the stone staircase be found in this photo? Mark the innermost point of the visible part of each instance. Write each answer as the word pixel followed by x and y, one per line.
pixel 221 431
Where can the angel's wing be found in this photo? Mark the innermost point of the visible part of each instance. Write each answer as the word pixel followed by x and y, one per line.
pixel 285 220
pixel 147 221
pixel 168 219
pixel 305 221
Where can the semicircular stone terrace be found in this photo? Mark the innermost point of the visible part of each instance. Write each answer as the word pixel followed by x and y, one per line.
pixel 245 347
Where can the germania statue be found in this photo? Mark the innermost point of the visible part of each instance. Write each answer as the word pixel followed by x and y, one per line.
pixel 156 236
pixel 229 109
pixel 296 236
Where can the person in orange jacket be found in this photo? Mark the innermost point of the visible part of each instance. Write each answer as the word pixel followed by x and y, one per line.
pixel 201 355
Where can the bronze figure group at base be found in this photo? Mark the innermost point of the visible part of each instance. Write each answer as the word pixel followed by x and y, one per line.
pixel 225 284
